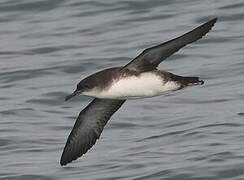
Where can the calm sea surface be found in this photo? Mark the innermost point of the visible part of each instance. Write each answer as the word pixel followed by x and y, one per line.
pixel 47 46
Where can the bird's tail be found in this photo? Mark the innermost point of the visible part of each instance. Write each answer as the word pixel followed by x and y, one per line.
pixel 188 81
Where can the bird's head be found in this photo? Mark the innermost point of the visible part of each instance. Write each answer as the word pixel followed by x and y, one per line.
pixel 83 88
pixel 96 82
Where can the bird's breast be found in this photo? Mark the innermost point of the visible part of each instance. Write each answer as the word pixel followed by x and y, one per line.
pixel 147 84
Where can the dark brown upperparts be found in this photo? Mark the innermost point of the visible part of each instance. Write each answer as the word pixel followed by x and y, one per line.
pixel 151 57
pixel 101 79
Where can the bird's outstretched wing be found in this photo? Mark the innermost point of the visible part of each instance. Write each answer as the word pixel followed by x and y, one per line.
pixel 88 128
pixel 150 58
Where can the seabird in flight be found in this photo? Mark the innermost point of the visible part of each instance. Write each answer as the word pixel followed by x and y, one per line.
pixel 111 87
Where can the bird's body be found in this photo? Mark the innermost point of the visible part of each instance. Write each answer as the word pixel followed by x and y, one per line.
pixel 147 84
pixel 111 87
pixel 129 85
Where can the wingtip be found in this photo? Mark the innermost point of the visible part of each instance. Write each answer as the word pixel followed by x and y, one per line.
pixel 65 158
pixel 207 26
pixel 212 21
pixel 63 161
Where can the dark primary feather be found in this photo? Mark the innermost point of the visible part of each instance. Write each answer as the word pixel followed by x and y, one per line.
pixel 88 128
pixel 150 58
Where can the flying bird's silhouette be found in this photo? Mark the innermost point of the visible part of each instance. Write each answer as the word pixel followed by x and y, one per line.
pixel 139 78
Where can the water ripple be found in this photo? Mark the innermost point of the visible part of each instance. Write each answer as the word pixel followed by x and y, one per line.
pixel 27 177
pixel 44 5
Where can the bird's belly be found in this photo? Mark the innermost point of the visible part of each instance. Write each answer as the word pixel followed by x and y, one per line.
pixel 145 85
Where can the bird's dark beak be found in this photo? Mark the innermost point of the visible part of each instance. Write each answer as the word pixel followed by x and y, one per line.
pixel 71 95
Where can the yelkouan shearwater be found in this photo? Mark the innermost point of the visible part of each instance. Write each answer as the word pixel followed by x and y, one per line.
pixel 111 87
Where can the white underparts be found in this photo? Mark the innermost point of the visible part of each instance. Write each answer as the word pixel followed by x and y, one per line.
pixel 148 84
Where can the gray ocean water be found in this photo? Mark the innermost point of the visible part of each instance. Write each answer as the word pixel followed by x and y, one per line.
pixel 47 46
